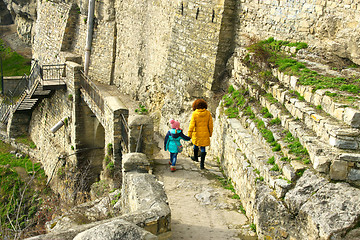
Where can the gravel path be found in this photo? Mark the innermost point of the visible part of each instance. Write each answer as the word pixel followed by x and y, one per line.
pixel 200 207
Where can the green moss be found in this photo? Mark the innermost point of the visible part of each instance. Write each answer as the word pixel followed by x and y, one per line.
pixel 141 110
pixel 242 209
pixel 248 112
pixel 253 227
pixel 232 112
pixel 271 160
pixel 110 166
pixel 25 139
pixel 275 168
pixel 275 121
pixel 300 172
pixel 276 148
pixel 109 149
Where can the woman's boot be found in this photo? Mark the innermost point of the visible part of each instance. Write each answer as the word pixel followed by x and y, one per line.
pixel 203 154
pixel 196 155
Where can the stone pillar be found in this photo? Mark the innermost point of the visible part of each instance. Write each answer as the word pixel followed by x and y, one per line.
pixel 143 143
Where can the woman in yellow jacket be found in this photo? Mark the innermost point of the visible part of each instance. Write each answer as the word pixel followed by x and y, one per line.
pixel 200 129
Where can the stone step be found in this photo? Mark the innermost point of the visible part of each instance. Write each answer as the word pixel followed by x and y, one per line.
pixel 324 157
pixel 329 129
pixel 258 157
pixel 341 111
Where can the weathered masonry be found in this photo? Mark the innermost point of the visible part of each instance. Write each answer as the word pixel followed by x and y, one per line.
pixel 79 127
pixel 165 54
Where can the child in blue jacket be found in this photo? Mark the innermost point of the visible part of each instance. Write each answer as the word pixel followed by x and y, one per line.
pixel 172 142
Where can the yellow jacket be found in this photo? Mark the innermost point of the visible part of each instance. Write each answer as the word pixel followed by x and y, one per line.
pixel 201 127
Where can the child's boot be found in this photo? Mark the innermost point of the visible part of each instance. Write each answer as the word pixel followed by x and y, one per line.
pixel 172 168
pixel 196 156
pixel 203 154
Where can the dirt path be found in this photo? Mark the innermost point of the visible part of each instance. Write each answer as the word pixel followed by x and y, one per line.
pixel 200 207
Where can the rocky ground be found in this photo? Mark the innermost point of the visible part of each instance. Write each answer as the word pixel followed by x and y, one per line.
pixel 9 35
pixel 200 207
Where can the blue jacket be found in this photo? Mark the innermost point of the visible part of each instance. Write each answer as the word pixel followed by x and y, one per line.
pixel 172 140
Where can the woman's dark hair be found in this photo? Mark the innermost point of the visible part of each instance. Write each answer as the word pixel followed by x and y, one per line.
pixel 199 104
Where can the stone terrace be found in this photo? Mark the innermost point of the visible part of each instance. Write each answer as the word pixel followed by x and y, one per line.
pixel 289 201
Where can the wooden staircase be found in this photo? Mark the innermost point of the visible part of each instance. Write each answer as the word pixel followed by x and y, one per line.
pixel 41 88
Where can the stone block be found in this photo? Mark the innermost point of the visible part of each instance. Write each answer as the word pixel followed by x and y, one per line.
pixel 297 165
pixel 350 157
pixel 135 162
pixel 330 210
pixel 317 98
pixel 308 96
pixel 289 172
pixel 342 143
pixel 354 174
pixel 326 103
pixel 113 229
pixel 338 112
pixel 321 164
pixel 308 184
pixel 286 80
pixel 352 117
pixel 338 170
pixel 281 187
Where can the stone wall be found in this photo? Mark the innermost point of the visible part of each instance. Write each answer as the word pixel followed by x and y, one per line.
pixel 157 51
pixel 5 16
pixel 56 150
pixel 328 25
pixel 49 31
pixel 281 200
pixel 278 207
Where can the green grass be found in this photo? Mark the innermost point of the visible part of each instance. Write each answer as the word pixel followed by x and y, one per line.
pixel 227 184
pixel 234 100
pixel 13 63
pixel 25 139
pixel 296 148
pixel 141 110
pixel 271 160
pixel 13 185
pixel 275 121
pixel 253 227
pixel 270 52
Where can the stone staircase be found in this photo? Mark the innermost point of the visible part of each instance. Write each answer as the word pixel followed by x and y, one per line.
pixel 327 128
pixel 280 189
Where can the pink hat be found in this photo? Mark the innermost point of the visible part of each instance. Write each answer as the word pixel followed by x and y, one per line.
pixel 174 124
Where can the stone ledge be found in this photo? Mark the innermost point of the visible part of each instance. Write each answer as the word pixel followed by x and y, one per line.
pixel 258 156
pixel 324 157
pixel 307 205
pixel 339 111
pixel 135 162
pixel 333 131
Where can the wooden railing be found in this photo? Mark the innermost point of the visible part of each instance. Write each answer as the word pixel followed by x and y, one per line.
pixel 27 85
